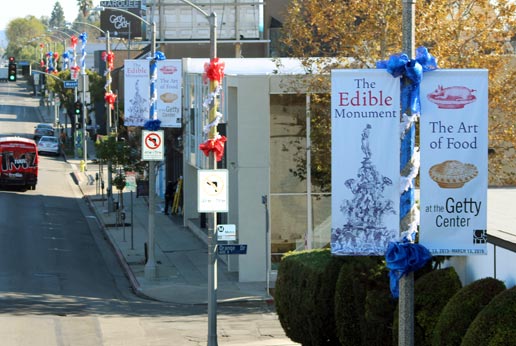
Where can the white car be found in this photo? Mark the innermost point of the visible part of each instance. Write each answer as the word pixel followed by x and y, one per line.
pixel 48 144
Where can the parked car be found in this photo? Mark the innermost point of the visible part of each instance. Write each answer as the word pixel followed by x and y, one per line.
pixel 48 144
pixel 43 130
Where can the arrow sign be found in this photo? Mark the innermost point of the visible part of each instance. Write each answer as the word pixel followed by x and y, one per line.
pixel 152 146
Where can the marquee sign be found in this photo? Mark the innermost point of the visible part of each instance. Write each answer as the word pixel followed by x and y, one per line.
pixel 121 24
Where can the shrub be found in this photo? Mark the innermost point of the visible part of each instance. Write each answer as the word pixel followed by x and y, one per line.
pixel 495 325
pixel 304 296
pixel 432 291
pixel 462 309
pixel 363 305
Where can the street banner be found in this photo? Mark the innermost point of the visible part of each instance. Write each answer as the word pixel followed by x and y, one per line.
pixel 365 124
pixel 453 177
pixel 136 92
pixel 168 86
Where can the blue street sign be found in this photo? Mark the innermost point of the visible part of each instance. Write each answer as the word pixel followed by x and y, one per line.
pixel 70 84
pixel 237 249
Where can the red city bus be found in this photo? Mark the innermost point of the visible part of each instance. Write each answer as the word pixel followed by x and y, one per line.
pixel 19 162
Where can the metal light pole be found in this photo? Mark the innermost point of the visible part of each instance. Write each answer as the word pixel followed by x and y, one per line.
pixel 150 271
pixel 406 283
pixel 108 117
pixel 83 79
pixel 212 226
pixel 108 83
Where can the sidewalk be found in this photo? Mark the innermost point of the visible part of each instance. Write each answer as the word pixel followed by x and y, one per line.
pixel 181 257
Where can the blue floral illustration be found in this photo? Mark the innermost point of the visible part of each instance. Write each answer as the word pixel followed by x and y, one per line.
pixel 365 232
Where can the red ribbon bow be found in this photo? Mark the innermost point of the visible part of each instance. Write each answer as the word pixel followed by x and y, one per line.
pixel 75 70
pixel 109 58
pixel 216 145
pixel 56 55
pixel 110 98
pixel 214 70
pixel 74 41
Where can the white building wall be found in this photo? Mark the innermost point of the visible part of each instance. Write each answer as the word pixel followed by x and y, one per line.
pixel 501 248
pixel 248 164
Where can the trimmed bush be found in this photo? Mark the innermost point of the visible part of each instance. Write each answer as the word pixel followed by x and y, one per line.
pixel 432 292
pixel 363 304
pixel 305 294
pixel 462 309
pixel 495 325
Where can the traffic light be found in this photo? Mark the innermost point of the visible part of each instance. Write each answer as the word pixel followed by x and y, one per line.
pixel 77 108
pixel 11 74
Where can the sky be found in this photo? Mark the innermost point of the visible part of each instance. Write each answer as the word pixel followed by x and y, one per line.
pixel 38 8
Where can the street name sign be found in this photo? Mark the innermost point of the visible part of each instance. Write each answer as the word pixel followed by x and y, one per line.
pixel 236 249
pixel 70 84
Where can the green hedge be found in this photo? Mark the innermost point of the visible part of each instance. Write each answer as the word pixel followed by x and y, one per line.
pixel 462 309
pixel 305 294
pixel 432 292
pixel 495 325
pixel 363 304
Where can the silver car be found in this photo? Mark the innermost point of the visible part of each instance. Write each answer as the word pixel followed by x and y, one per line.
pixel 48 144
pixel 43 130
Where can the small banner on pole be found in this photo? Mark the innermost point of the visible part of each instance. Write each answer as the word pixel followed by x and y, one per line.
pixel 454 145
pixel 136 91
pixel 365 123
pixel 169 88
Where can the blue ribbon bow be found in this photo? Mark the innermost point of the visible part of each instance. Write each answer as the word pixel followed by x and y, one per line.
pixel 403 258
pixel 83 37
pixel 411 71
pixel 152 125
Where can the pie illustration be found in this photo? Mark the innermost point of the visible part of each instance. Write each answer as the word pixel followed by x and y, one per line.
pixel 452 174
pixel 168 97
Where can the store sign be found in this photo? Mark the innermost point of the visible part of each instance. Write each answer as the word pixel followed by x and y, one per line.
pixel 454 145
pixel 365 161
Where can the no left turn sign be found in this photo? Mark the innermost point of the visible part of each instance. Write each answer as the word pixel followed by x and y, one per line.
pixel 152 145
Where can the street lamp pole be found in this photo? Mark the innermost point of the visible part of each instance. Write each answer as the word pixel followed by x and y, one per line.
pixel 150 271
pixel 212 240
pixel 212 226
pixel 406 284
pixel 84 38
pixel 108 113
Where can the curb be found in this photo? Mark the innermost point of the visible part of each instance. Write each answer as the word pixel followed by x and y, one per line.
pixel 135 285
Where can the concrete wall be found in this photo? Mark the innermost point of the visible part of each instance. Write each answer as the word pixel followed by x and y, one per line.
pixel 498 263
pixel 248 165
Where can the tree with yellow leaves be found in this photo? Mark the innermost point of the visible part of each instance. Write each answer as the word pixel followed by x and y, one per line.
pixel 459 33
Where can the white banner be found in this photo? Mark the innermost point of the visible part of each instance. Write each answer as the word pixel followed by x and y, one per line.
pixel 168 87
pixel 365 124
pixel 454 144
pixel 136 92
